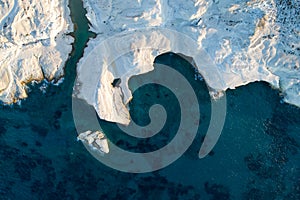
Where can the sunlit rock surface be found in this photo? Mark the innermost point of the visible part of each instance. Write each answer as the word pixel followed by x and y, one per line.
pixel 248 41
pixel 34 44
pixel 96 140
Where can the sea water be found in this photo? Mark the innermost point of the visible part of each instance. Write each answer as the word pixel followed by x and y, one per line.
pixel 256 157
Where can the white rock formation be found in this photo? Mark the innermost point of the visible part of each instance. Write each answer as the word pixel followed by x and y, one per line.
pixel 34 44
pixel 249 41
pixel 96 140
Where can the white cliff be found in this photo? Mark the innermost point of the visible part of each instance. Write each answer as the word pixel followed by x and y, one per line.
pixel 248 41
pixel 34 44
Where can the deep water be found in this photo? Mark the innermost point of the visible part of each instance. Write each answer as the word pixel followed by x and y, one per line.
pixel 257 156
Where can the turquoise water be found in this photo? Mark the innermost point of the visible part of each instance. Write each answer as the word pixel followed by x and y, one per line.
pixel 257 156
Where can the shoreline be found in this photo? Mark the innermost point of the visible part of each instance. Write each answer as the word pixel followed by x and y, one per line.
pixel 34 48
pixel 239 48
pixel 279 84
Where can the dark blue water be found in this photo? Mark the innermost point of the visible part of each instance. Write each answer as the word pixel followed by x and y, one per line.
pixel 257 156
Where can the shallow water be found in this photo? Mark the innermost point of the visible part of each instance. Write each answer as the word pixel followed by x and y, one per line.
pixel 257 156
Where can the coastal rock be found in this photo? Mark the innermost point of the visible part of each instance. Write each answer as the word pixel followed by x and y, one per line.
pixel 34 44
pixel 245 40
pixel 96 140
